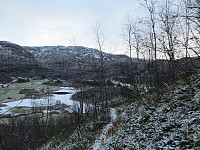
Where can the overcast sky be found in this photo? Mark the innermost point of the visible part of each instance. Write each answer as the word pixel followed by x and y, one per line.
pixel 64 22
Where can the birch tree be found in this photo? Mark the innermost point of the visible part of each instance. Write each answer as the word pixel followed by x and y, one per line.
pixel 100 40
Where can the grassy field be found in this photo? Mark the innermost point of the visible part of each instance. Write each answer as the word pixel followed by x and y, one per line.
pixel 13 90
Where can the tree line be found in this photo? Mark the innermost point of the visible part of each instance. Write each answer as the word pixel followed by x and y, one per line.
pixel 170 31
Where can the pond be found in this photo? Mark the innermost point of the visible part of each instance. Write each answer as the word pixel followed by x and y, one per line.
pixel 54 99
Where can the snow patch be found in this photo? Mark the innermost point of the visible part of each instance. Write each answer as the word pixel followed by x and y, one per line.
pixel 104 138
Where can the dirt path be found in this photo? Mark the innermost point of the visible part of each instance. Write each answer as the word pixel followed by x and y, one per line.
pixel 107 131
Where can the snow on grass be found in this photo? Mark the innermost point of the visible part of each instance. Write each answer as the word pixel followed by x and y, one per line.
pixel 113 114
pixel 81 138
pixel 173 124
pixel 100 141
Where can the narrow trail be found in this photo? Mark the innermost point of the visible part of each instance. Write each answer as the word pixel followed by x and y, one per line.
pixel 105 135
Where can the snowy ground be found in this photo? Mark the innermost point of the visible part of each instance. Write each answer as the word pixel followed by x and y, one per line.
pixel 169 120
pixel 44 101
pixel 171 123
pixel 104 137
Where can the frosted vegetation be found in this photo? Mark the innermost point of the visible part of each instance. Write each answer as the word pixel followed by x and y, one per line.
pixel 169 121
pixel 165 120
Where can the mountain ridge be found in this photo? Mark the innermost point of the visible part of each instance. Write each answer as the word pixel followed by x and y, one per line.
pixel 60 61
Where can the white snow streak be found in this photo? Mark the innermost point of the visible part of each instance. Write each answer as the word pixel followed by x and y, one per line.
pixel 103 139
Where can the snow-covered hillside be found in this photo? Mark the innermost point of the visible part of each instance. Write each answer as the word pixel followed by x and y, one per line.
pixel 17 61
pixel 13 53
pixel 59 53
pixel 166 121
pixel 58 61
pixel 70 60
pixel 169 120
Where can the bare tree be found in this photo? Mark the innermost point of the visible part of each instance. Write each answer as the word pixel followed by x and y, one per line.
pixel 169 33
pixel 192 17
pixel 150 6
pixel 187 28
pixel 137 44
pixel 80 84
pixel 100 40
pixel 128 36
pixel 127 33
pixel 132 35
